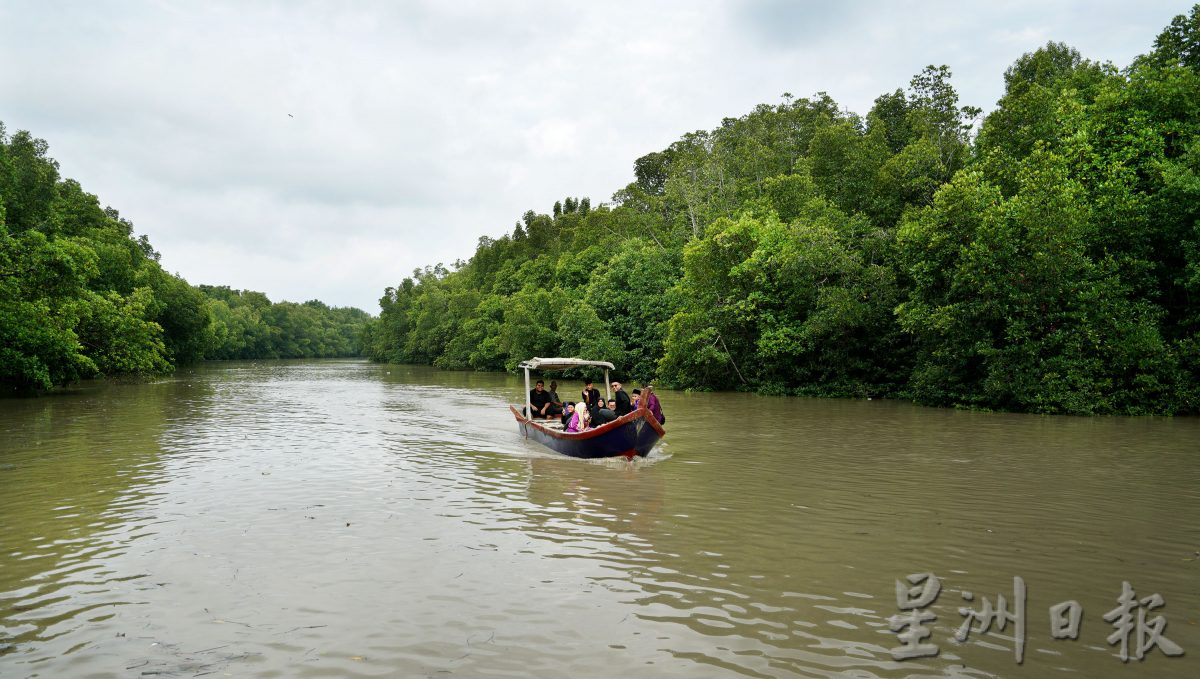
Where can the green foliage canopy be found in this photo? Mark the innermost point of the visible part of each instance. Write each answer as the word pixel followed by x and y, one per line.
pixel 81 296
pixel 1046 259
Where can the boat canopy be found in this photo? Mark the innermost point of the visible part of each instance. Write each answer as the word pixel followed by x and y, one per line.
pixel 562 364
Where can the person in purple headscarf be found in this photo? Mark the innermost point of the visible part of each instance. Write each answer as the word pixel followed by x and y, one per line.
pixel 652 403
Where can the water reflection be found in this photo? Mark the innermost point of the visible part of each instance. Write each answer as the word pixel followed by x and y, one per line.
pixel 738 604
pixel 77 470
pixel 340 518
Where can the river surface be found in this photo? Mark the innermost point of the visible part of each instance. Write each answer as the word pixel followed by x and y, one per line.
pixel 345 519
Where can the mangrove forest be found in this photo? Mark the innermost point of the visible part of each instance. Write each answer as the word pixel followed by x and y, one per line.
pixel 1042 258
pixel 81 296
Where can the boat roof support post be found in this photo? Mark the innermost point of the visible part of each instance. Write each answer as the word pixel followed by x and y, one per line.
pixel 607 394
pixel 528 404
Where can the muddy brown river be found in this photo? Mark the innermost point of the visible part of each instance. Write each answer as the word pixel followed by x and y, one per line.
pixel 346 519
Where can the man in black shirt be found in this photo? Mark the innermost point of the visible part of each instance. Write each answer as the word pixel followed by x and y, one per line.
pixel 624 406
pixel 539 400
pixel 591 397
pixel 556 405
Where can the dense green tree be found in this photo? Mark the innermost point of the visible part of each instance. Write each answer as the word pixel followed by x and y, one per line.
pixel 28 183
pixel 633 297
pixel 247 325
pixel 40 283
pixel 183 314
pixel 845 165
pixel 1011 311
pixel 118 336
pixel 1046 260
pixel 582 333
pixel 81 295
pixel 530 317
pixel 889 116
pixel 1179 43
pixel 716 327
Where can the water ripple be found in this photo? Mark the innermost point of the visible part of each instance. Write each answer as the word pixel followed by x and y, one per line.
pixel 287 519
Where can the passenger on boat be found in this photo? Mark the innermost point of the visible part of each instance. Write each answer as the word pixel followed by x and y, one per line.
pixel 574 423
pixel 556 405
pixel 637 398
pixel 568 413
pixel 584 420
pixel 623 406
pixel 652 403
pixel 539 400
pixel 603 415
pixel 591 396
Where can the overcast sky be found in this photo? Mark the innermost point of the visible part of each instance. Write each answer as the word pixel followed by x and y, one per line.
pixel 325 149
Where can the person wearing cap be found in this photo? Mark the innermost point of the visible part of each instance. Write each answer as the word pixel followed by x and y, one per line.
pixel 624 407
pixel 637 398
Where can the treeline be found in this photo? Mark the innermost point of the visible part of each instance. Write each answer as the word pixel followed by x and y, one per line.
pixel 82 296
pixel 1046 259
pixel 247 325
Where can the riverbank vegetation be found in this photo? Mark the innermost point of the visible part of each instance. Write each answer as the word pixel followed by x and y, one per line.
pixel 247 325
pixel 82 296
pixel 1044 258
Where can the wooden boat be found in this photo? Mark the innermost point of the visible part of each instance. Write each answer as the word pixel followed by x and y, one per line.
pixel 632 434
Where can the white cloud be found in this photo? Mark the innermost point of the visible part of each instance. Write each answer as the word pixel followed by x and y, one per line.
pixel 556 137
pixel 417 127
pixel 1022 36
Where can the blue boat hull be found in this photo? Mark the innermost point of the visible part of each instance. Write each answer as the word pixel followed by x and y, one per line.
pixel 629 435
